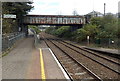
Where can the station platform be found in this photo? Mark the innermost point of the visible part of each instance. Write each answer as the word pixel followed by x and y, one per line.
pixel 105 50
pixel 27 62
pixel 99 49
pixel 50 67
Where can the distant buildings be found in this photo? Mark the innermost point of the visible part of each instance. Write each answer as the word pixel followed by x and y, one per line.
pixel 98 14
pixel 95 14
pixel 92 14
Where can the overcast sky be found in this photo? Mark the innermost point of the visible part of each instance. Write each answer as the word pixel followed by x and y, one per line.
pixel 66 7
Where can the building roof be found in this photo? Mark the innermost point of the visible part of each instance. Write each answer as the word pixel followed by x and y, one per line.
pixel 94 12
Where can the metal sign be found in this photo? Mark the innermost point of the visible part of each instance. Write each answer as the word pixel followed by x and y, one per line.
pixel 88 37
pixel 9 16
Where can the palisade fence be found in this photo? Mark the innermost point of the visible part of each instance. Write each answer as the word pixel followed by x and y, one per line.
pixel 113 43
pixel 9 40
pixel 106 42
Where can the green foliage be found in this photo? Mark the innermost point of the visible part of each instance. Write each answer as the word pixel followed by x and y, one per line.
pixel 97 21
pixel 100 30
pixel 35 28
pixel 108 26
pixel 51 30
pixel 109 19
pixel 91 29
pixel 80 34
pixel 118 31
pixel 17 8
pixel 87 30
pixel 9 26
pixel 62 31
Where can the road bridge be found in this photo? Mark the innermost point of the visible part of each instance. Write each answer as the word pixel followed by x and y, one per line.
pixel 53 20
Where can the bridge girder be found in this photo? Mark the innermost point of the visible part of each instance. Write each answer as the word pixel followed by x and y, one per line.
pixel 53 20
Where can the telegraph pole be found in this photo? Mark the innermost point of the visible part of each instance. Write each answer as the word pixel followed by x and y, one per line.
pixel 104 8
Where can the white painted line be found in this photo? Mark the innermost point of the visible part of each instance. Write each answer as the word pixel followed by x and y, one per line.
pixel 65 74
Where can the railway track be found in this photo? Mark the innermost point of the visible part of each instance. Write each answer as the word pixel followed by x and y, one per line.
pixel 74 68
pixel 109 63
pixel 74 55
pixel 101 55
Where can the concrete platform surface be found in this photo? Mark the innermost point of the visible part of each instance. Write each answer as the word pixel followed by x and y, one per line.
pixel 24 62
pixel 113 51
pixel 52 70
pixel 16 64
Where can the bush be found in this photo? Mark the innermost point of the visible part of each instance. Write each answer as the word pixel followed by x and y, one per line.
pixel 50 30
pixel 80 35
pixel 63 31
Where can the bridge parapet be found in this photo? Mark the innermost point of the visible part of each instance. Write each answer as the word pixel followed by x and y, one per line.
pixel 53 19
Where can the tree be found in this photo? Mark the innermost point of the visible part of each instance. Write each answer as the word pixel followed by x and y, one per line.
pixel 118 31
pixel 19 9
pixel 87 30
pixel 91 29
pixel 107 26
pixel 63 31
pixel 98 21
pixel 80 35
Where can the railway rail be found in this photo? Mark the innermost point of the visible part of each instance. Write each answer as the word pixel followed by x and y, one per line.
pixel 75 69
pixel 73 57
pixel 98 58
pixel 101 55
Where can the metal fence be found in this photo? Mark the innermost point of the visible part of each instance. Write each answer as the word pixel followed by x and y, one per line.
pixel 107 42
pixel 103 42
pixel 9 40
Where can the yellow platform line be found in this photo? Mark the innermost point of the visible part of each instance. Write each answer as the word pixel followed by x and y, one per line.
pixel 42 66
